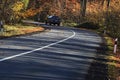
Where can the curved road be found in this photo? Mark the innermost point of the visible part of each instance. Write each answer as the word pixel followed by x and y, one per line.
pixel 59 54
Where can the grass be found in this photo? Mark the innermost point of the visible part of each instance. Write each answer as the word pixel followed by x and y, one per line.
pixel 113 60
pixel 110 43
pixel 10 30
pixel 113 67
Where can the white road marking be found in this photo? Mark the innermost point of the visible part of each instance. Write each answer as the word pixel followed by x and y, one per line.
pixel 21 54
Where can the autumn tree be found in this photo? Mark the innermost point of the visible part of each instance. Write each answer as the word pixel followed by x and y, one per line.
pixel 5 8
pixel 10 10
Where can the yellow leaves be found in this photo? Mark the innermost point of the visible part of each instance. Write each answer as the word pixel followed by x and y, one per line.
pixel 17 6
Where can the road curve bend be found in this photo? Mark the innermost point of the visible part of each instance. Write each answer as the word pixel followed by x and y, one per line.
pixel 59 54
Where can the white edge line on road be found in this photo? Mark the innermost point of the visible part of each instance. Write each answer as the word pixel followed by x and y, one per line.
pixel 10 57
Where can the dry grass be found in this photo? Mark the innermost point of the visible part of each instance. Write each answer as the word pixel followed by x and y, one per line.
pixel 116 61
pixel 19 30
pixel 113 60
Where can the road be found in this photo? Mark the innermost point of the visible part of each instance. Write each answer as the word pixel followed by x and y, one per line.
pixel 59 54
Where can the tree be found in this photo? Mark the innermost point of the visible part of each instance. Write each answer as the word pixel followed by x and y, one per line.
pixel 26 2
pixel 9 9
pixel 5 9
pixel 83 7
pixel 108 3
pixel 102 2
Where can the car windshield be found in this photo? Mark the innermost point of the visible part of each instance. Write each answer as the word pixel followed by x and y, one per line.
pixel 50 16
pixel 55 17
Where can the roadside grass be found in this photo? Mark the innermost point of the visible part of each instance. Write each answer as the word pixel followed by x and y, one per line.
pixel 15 30
pixel 110 43
pixel 113 61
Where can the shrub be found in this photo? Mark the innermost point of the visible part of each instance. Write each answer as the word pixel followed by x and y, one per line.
pixel 88 25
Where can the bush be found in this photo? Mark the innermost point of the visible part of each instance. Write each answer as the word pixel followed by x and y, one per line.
pixel 88 25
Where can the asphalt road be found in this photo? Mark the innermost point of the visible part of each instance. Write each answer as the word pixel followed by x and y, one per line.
pixel 59 54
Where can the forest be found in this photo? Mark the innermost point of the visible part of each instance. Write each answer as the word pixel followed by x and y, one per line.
pixel 103 13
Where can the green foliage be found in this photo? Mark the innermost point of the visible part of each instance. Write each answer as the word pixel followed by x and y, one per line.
pixel 26 2
pixel 112 71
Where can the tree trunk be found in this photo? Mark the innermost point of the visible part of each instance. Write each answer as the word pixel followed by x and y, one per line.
pixel 83 10
pixel 2 9
pixel 102 2
pixel 107 15
pixel 83 6
pixel 108 3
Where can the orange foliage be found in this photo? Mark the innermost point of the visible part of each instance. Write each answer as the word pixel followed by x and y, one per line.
pixel 30 12
pixel 30 30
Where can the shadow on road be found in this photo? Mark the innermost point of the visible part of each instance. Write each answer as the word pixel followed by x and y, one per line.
pixel 69 60
pixel 99 68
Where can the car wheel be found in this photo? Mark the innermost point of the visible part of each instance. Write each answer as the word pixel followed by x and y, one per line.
pixel 50 23
pixel 58 24
pixel 46 23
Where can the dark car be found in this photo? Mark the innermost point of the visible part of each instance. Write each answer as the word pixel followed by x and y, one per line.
pixel 53 20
